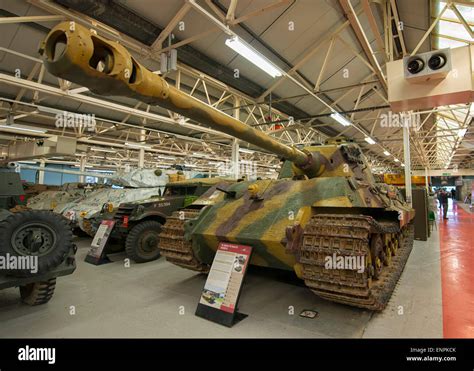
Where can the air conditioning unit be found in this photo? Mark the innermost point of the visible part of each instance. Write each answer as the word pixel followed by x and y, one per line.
pixel 432 79
pixel 426 67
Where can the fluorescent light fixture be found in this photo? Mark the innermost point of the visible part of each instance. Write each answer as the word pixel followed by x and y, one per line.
pixel 93 170
pixel 386 153
pixel 98 149
pixel 253 56
pixel 137 145
pixel 397 160
pixel 22 128
pixel 54 111
pixel 199 154
pixel 462 132
pixel 369 140
pixel 245 150
pixel 403 165
pixel 166 157
pixel 190 165
pixel 340 119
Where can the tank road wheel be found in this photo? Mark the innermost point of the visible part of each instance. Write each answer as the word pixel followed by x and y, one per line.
pixel 376 250
pixel 388 254
pixel 388 242
pixel 38 233
pixel 369 268
pixel 37 293
pixel 142 243
pixel 395 244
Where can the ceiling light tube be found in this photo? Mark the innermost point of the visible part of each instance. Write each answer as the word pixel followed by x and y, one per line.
pixel 246 51
pixel 137 145
pixel 245 150
pixel 369 140
pixel 98 149
pixel 386 153
pixel 462 132
pixel 22 128
pixel 341 119
pixel 163 157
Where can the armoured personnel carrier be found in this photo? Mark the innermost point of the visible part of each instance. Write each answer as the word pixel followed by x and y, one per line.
pixel 325 209
pixel 35 246
pixel 139 223
pixel 68 192
pixel 84 213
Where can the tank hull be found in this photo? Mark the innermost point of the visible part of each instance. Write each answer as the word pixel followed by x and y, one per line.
pixel 261 222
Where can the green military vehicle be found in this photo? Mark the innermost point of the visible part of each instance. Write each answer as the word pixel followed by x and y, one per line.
pixel 139 223
pixel 35 246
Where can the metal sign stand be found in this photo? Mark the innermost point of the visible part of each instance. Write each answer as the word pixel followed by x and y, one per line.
pixel 96 253
pixel 221 293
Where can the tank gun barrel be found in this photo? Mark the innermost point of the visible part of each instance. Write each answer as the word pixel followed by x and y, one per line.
pixel 75 53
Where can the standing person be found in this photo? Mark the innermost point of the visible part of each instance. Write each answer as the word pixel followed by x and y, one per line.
pixel 438 196
pixel 444 203
pixel 453 194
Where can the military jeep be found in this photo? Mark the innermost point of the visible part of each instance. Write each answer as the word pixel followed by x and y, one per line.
pixel 35 246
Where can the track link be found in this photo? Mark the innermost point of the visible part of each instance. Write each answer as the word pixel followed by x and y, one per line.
pixel 173 245
pixel 349 235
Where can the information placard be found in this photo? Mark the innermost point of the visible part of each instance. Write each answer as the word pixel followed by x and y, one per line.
pixel 96 251
pixel 221 293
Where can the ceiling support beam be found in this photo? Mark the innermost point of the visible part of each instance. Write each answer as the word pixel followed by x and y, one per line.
pixel 364 42
pixel 170 26
pixel 28 19
pixel 394 10
pixel 373 26
pixel 22 83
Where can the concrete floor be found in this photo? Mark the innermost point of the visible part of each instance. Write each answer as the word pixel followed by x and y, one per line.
pixel 145 300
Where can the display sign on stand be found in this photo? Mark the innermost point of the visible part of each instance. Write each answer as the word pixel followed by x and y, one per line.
pixel 220 296
pixel 96 254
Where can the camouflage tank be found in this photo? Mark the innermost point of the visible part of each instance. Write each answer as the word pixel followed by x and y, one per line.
pixel 34 189
pixel 84 213
pixel 68 192
pixel 325 206
pixel 139 223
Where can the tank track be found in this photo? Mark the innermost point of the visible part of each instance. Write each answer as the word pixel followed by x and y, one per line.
pixel 173 245
pixel 349 235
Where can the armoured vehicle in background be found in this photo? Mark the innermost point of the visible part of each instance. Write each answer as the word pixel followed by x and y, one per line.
pixel 33 189
pixel 35 246
pixel 85 213
pixel 325 207
pixel 68 192
pixel 139 223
